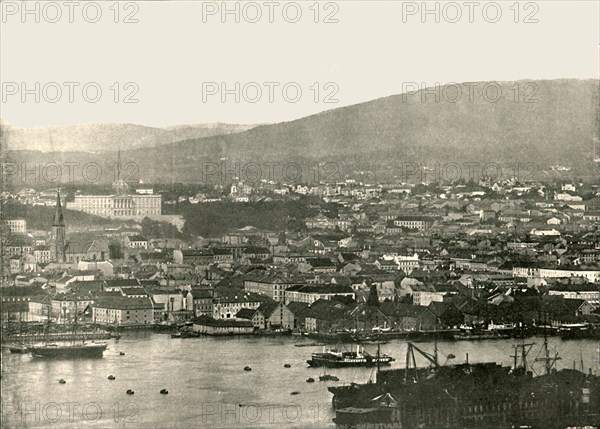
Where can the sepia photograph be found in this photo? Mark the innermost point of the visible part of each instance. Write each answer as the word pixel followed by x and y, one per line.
pixel 306 214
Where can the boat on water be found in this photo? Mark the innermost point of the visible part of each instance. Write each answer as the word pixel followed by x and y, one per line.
pixel 574 331
pixel 86 350
pixel 18 348
pixel 472 395
pixel 186 333
pixel 492 332
pixel 362 338
pixel 328 377
pixel 502 329
pixel 333 358
pixel 73 347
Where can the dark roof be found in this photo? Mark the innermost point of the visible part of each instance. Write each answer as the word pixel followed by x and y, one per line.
pixel 298 308
pixel 201 293
pixel 221 251
pixel 321 288
pixel 584 287
pixel 414 218
pixel 123 303
pixel 439 308
pixel 270 277
pixel 365 312
pixel 122 282
pixel 320 262
pixel 137 238
pixel 256 250
pixel 19 240
pixel 574 304
pixel 72 297
pixel 223 295
pixel 153 256
pixel 246 313
pixel 133 290
pixel 348 257
pixel 22 290
pixel 162 290
pixel 200 252
pixel 87 286
pixel 268 307
pixel 150 283
pixel 324 309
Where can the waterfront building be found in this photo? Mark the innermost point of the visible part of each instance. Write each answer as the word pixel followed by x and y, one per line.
pixel 202 301
pixel 66 307
pixel 312 293
pixel 269 284
pixel 209 326
pixel 269 315
pixel 226 307
pixel 123 311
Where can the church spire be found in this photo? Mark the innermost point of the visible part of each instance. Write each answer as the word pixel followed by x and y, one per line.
pixel 57 240
pixel 119 165
pixel 120 186
pixel 59 219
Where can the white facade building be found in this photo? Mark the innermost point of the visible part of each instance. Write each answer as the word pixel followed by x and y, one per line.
pixel 118 206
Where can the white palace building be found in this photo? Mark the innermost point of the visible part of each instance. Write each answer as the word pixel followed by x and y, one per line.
pixel 127 206
pixel 121 204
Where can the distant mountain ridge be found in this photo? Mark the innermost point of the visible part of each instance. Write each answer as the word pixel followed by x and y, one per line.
pixel 108 137
pixel 556 123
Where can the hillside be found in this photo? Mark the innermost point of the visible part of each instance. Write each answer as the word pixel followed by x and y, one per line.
pixel 379 135
pixel 40 217
pixel 108 137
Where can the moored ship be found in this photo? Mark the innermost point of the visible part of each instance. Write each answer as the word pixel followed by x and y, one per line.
pixel 17 348
pixel 472 396
pixel 75 349
pixel 69 351
pixel 574 331
pixel 333 358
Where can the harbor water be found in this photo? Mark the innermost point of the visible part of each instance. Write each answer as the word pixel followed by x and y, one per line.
pixel 207 384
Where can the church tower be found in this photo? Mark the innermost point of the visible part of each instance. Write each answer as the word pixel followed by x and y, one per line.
pixel 57 247
pixel 119 185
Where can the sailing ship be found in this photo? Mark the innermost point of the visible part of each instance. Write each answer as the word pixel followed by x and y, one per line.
pixel 472 395
pixel 333 358
pixel 69 350
pixel 17 345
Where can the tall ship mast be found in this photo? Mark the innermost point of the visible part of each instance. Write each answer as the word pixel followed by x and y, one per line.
pixel 74 347
pixel 471 395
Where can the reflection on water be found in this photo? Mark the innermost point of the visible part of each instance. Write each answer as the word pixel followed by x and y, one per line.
pixel 207 384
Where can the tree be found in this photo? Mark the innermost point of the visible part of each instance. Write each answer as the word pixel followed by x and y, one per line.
pixel 115 251
pixel 406 299
pixel 373 299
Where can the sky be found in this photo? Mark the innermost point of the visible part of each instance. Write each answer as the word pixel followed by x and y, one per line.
pixel 169 63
